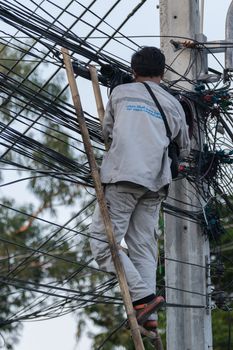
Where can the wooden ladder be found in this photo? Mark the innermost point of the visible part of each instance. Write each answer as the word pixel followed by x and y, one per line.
pixel 134 327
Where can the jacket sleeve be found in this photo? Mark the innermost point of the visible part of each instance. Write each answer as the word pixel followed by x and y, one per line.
pixel 108 122
pixel 182 138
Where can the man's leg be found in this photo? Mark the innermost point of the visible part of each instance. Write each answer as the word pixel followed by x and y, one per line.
pixel 141 239
pixel 141 236
pixel 121 200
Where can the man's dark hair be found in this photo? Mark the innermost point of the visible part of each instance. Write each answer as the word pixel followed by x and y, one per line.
pixel 148 62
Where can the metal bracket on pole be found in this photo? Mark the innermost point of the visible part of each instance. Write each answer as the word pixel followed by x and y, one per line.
pixel 212 47
pixel 205 48
pixel 135 329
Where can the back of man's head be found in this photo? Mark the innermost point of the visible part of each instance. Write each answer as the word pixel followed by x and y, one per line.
pixel 149 61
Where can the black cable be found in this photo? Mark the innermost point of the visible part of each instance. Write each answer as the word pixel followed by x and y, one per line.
pixel 111 334
pixel 10 135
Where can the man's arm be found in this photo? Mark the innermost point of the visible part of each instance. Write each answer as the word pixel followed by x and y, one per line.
pixel 182 138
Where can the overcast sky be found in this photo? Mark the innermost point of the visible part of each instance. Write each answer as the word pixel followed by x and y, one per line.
pixel 59 334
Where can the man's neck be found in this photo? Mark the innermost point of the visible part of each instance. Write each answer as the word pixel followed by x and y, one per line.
pixel 140 79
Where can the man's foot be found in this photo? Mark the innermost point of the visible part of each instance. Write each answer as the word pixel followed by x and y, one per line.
pixel 143 311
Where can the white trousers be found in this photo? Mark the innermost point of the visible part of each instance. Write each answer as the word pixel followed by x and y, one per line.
pixel 134 212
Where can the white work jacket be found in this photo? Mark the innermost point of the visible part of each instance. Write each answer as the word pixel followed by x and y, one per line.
pixel 138 151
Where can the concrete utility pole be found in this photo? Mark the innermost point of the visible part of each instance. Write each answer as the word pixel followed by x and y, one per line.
pixel 229 37
pixel 187 328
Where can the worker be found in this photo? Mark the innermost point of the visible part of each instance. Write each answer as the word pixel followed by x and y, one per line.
pixel 136 175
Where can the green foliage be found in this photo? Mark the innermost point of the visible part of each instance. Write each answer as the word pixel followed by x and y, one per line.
pixel 222 326
pixel 222 279
pixel 19 232
pixel 12 254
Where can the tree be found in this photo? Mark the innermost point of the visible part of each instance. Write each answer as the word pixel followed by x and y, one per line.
pixel 222 278
pixel 21 230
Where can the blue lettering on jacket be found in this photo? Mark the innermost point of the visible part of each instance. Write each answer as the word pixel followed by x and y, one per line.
pixel 140 108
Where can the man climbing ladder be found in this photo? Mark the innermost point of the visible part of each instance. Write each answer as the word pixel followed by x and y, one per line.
pixel 136 174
